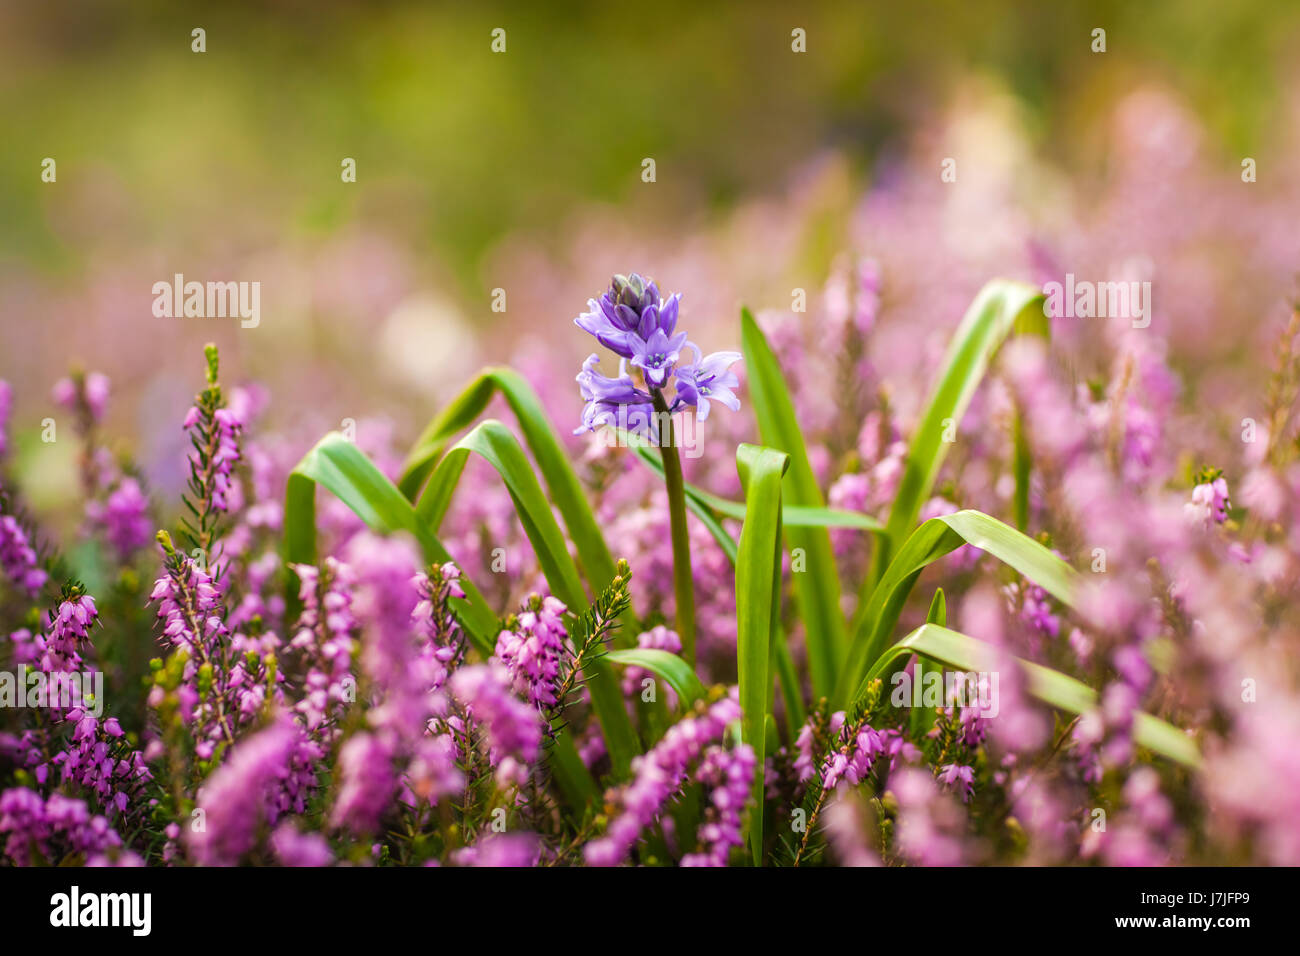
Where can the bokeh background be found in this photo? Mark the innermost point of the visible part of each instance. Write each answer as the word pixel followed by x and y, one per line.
pixel 522 171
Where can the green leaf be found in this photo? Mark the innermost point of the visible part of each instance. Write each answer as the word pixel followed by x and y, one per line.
pixel 758 602
pixel 934 539
pixel 670 668
pixel 565 489
pixel 817 590
pixel 495 444
pixel 961 652
pixel 938 613
pixel 1001 306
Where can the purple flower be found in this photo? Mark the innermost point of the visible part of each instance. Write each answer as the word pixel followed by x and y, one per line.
pixel 657 355
pixel 729 774
pixel 501 850
pixel 615 401
pixel 368 782
pixel 300 849
pixel 708 378
pixel 658 775
pixel 85 394
pixel 265 776
pixel 1209 504
pixel 513 729
pixel 533 648
pixel 6 406
pixel 124 516
pixel 51 829
pixel 958 777
pixel 18 558
pixel 633 322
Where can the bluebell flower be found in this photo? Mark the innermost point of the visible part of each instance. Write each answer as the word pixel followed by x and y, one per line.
pixel 708 378
pixel 634 322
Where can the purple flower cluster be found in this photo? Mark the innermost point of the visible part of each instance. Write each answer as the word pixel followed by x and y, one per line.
pixel 6 408
pixel 87 750
pixel 18 558
pixel 434 618
pixel 1209 504
pixel 190 603
pixel 854 754
pixel 215 435
pixel 532 648
pixel 512 729
pixel 268 774
pixel 123 516
pixel 50 831
pixel 658 776
pixel 368 782
pixel 85 395
pixel 729 775
pixel 636 324
pixel 324 636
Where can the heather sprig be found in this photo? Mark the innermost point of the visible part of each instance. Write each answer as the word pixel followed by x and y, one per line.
pixel 589 636
pixel 213 430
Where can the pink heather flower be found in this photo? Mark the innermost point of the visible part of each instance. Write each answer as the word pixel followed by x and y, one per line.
pixel 930 826
pixel 18 558
pixel 124 518
pixel 86 394
pixel 958 777
pixel 264 776
pixel 1035 608
pixel 846 834
pixel 35 830
pixel 293 848
pixel 501 850
pixel 433 617
pixel 383 602
pixel 368 783
pixel 512 728
pixel 1209 504
pixel 6 407
pixel 533 650
pixel 729 775
pixel 658 775
pixel 324 636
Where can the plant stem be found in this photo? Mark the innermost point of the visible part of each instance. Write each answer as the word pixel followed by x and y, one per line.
pixel 683 585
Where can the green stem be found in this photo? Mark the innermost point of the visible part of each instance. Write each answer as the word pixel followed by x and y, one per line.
pixel 683 585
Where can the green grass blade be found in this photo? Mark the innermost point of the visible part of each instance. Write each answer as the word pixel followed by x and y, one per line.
pixel 961 652
pixel 758 596
pixel 496 445
pixel 928 543
pixel 817 589
pixel 1000 307
pixel 565 489
pixel 670 668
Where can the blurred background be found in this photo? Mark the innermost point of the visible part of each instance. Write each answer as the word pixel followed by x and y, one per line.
pixel 522 171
